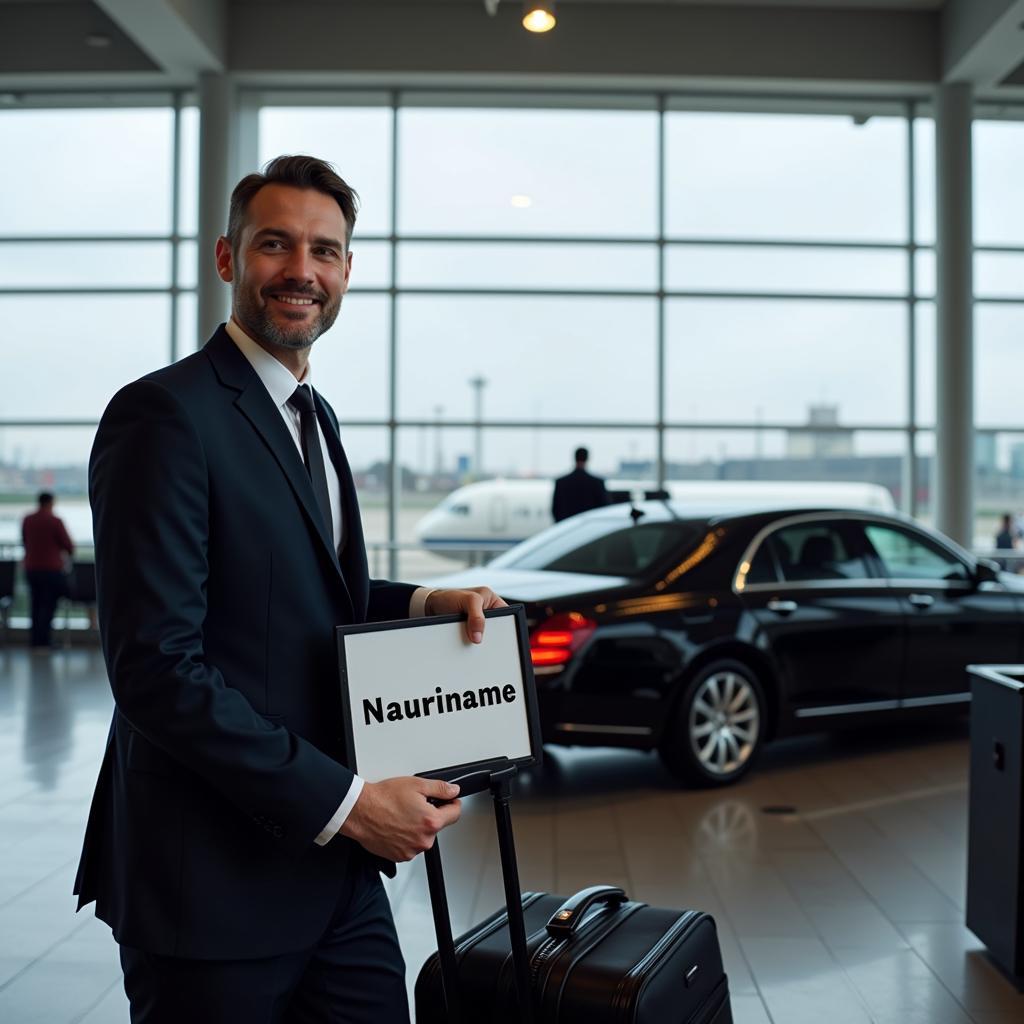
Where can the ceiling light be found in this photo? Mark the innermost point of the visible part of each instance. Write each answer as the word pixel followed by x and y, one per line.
pixel 539 15
pixel 521 202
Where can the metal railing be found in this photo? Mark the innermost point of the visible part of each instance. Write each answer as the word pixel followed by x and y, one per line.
pixel 418 565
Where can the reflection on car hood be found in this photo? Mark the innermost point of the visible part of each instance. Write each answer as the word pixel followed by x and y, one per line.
pixel 528 584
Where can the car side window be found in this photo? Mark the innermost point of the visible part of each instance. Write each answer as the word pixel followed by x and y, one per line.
pixel 816 551
pixel 909 557
pixel 762 568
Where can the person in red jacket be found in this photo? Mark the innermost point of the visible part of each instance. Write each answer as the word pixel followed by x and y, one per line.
pixel 47 548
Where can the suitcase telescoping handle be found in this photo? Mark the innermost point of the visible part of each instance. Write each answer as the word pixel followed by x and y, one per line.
pixel 567 918
pixel 498 782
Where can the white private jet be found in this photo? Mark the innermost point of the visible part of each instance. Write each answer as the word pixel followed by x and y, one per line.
pixel 492 515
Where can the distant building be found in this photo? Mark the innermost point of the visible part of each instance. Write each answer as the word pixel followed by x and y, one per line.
pixel 1017 461
pixel 828 441
pixel 985 453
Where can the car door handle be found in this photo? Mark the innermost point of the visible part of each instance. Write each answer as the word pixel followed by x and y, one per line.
pixel 782 607
pixel 921 600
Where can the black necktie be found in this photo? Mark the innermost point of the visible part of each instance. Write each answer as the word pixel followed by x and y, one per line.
pixel 302 400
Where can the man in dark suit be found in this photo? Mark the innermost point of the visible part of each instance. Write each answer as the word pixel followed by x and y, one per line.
pixel 577 491
pixel 230 849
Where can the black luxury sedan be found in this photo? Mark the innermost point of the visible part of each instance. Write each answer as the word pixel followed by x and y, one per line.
pixel 705 636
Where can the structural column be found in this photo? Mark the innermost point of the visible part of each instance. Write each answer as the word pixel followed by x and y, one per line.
pixel 217 118
pixel 953 481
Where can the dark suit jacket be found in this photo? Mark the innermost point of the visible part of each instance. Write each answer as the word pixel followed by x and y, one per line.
pixel 218 591
pixel 577 492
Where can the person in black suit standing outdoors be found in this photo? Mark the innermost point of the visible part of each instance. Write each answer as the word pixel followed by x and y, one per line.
pixel 232 852
pixel 578 491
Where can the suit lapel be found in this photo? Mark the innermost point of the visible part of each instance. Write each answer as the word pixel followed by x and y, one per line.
pixel 255 404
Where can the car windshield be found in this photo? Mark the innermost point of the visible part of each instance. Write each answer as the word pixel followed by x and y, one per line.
pixel 603 546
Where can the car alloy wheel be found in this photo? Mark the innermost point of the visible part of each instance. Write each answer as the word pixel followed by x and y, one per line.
pixel 718 725
pixel 724 723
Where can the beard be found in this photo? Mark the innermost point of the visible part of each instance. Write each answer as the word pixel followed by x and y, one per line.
pixel 253 315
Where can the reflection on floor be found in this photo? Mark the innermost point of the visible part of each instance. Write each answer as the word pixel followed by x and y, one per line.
pixel 850 910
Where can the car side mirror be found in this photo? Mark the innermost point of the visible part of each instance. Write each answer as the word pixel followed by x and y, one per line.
pixel 985 571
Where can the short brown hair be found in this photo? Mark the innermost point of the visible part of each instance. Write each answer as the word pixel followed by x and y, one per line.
pixel 299 172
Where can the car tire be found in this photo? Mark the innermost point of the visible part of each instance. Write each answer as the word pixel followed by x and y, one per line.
pixel 717 727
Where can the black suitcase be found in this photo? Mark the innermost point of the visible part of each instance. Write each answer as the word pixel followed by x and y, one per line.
pixel 593 958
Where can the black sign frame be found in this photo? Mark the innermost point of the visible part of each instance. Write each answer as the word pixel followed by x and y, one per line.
pixel 452 771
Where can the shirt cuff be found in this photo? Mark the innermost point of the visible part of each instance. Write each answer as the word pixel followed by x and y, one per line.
pixel 418 602
pixel 332 827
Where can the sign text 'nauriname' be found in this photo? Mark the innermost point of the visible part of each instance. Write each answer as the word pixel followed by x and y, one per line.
pixel 422 698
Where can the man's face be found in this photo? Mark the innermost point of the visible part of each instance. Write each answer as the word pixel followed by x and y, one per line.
pixel 291 268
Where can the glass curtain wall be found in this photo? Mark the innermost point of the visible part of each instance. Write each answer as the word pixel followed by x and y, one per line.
pixel 998 325
pixel 691 294
pixel 97 281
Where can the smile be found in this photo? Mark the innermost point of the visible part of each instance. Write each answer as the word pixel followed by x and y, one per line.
pixel 291 301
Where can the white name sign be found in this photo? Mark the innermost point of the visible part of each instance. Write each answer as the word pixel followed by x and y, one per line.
pixel 418 697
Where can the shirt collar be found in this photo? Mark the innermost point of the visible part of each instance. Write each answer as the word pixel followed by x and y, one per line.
pixel 279 381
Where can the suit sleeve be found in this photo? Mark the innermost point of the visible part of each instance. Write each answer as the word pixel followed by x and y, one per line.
pixel 149 489
pixel 389 600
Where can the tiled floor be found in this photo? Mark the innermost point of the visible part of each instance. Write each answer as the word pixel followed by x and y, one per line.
pixel 849 911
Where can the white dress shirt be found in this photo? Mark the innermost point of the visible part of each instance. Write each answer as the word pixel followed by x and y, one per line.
pixel 280 383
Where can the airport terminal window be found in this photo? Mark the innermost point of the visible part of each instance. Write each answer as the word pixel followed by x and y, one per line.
pixel 786 176
pixel 357 140
pixel 998 204
pixel 89 345
pixel 786 243
pixel 924 180
pixel 89 280
pixel 779 268
pixel 114 188
pixel 56 457
pixel 906 557
pixel 540 266
pixel 816 551
pixel 528 172
pixel 998 367
pixel 998 322
pixel 541 357
pixel 734 360
pixel 188 172
pixel 999 275
pixel 350 362
pixel 924 315
pixel 85 264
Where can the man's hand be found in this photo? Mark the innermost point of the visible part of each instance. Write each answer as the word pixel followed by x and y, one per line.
pixel 472 602
pixel 394 820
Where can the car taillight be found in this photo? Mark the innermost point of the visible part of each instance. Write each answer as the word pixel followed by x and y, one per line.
pixel 556 639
